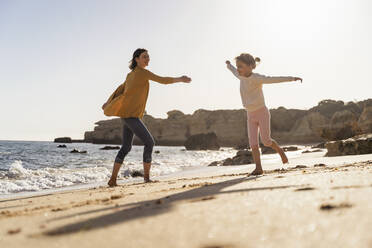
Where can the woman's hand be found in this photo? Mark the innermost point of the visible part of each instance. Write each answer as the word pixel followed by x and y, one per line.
pixel 185 79
pixel 228 62
pixel 104 105
pixel 297 78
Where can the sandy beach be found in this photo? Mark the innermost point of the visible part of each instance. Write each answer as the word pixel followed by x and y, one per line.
pixel 296 206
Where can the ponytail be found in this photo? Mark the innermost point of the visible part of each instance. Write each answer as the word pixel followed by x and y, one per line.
pixel 248 59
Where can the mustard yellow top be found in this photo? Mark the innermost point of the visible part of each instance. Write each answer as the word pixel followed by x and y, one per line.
pixel 129 99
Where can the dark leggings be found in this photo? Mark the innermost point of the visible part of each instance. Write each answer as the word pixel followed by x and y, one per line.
pixel 135 126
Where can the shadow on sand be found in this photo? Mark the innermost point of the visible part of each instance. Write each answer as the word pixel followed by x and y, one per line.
pixel 132 211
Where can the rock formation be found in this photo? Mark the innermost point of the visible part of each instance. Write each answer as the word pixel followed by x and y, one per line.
pixel 329 120
pixel 63 140
pixel 361 144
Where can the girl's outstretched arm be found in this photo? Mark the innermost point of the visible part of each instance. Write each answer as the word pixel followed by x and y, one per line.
pixel 232 69
pixel 272 80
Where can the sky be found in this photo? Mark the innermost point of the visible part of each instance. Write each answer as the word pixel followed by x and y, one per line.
pixel 61 60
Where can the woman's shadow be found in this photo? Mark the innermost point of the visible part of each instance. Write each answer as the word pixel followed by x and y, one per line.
pixel 150 208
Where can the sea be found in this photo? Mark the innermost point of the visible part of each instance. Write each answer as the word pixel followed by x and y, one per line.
pixel 41 166
pixel 31 166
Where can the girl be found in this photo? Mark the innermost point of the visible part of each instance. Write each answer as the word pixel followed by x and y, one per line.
pixel 258 115
pixel 129 102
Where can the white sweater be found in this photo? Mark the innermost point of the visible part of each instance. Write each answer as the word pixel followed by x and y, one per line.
pixel 251 88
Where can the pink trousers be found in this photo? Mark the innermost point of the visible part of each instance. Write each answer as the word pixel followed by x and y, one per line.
pixel 259 119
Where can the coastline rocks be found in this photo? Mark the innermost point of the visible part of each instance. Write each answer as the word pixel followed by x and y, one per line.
pixel 329 120
pixel 110 148
pixel 241 157
pixel 361 144
pixel 63 140
pixel 207 141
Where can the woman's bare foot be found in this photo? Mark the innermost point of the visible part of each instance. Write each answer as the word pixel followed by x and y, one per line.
pixel 256 172
pixel 150 181
pixel 112 183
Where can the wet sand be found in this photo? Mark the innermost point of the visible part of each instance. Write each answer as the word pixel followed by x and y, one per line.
pixel 321 206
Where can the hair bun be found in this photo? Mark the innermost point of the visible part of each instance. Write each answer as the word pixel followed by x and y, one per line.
pixel 257 59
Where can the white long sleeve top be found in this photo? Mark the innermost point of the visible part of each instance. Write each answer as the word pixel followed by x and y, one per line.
pixel 251 88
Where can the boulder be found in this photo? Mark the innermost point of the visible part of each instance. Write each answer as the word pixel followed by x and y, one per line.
pixel 241 157
pixel 269 150
pixel 62 146
pixel 77 151
pixel 110 148
pixel 290 148
pixel 334 148
pixel 62 140
pixel 361 144
pixel 136 173
pixel 207 141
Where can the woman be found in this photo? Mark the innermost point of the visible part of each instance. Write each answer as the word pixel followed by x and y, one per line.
pixel 129 102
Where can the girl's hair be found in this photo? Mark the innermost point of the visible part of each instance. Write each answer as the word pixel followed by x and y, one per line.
pixel 136 54
pixel 248 59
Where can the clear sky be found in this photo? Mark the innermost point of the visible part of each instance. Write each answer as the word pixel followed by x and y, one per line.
pixel 60 60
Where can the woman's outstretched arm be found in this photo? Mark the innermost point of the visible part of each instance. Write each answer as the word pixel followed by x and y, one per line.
pixel 272 80
pixel 167 80
pixel 232 68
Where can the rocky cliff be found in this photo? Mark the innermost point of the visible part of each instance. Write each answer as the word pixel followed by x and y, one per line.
pixel 329 120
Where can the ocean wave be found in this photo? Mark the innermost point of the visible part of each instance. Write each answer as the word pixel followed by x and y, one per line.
pixel 19 179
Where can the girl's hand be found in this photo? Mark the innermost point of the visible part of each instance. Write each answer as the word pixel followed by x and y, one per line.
pixel 297 78
pixel 185 79
pixel 228 62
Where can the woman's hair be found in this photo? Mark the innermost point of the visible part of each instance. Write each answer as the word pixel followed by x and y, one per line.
pixel 136 54
pixel 248 59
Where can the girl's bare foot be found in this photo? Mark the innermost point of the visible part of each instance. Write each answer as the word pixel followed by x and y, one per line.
pixel 112 183
pixel 284 159
pixel 256 172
